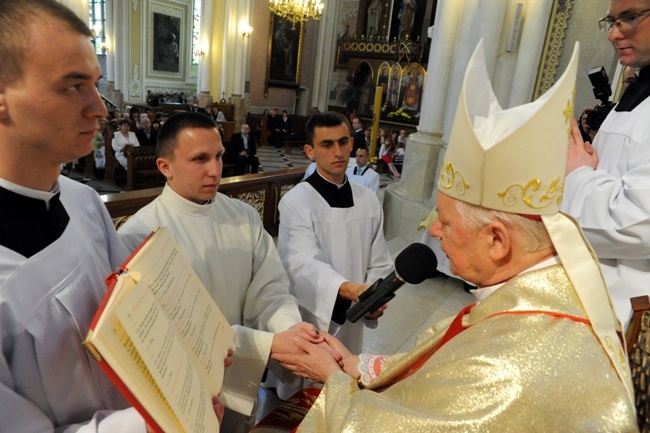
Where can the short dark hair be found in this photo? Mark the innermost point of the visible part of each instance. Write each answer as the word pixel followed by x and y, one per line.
pixel 123 121
pixel 364 148
pixel 166 142
pixel 15 18
pixel 327 119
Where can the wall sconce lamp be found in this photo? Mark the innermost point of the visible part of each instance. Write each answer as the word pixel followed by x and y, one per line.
pixel 246 31
pixel 202 54
pixel 104 47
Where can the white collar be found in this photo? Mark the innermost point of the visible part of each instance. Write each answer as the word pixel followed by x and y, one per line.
pixel 339 186
pixel 37 194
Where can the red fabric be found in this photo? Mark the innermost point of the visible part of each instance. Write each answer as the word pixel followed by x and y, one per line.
pixel 387 159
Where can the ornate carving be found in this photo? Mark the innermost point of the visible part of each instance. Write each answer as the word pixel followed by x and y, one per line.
pixel 135 83
pixel 134 4
pixel 253 198
pixel 534 194
pixel 349 9
pixel 449 178
pixel 553 47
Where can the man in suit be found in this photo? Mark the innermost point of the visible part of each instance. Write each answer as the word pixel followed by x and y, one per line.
pixel 285 124
pixel 146 136
pixel 196 107
pixel 274 126
pixel 241 150
pixel 358 137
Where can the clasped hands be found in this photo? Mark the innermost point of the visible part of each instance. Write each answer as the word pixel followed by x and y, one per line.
pixel 317 360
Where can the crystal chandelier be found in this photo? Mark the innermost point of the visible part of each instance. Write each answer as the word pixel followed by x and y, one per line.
pixel 297 10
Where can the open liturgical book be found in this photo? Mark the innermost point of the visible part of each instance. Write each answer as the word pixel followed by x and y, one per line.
pixel 161 338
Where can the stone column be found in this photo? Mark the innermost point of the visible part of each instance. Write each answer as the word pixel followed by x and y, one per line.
pixel 530 51
pixel 323 70
pixel 205 64
pixel 407 202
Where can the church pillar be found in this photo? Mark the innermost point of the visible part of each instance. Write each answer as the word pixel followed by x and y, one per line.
pixel 408 201
pixel 118 46
pixel 323 70
pixel 530 51
pixel 235 47
pixel 205 64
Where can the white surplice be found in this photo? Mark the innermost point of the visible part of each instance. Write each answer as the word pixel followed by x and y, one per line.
pixel 47 379
pixel 369 178
pixel 322 247
pixel 612 204
pixel 238 263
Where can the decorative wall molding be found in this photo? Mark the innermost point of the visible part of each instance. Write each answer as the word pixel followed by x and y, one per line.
pixel 135 84
pixel 134 5
pixel 349 10
pixel 553 47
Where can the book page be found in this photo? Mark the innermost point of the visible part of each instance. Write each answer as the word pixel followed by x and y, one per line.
pixel 124 360
pixel 160 348
pixel 204 330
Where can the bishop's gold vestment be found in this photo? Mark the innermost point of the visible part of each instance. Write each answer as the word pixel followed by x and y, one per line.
pixel 507 373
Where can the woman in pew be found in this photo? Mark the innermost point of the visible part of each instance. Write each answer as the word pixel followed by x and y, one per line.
pixel 123 137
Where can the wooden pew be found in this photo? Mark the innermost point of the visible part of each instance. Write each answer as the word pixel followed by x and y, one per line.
pixel 298 136
pixel 141 168
pixel 263 191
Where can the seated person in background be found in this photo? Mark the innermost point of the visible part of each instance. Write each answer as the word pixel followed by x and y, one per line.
pixel 196 107
pixel 285 124
pixel 398 160
pixel 401 138
pixel 146 135
pixel 387 153
pixel 232 254
pixel 220 116
pixel 540 350
pixel 362 173
pixel 121 138
pixel 242 150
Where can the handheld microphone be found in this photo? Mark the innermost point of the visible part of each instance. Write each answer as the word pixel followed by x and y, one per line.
pixel 414 264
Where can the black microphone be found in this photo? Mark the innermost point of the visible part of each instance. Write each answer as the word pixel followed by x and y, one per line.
pixel 414 264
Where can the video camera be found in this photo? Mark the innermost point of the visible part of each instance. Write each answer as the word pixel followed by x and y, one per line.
pixel 602 91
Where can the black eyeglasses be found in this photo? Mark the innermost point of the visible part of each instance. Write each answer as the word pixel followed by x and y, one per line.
pixel 624 22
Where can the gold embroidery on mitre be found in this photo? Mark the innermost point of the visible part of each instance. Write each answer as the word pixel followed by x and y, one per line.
pixel 448 178
pixel 568 110
pixel 533 194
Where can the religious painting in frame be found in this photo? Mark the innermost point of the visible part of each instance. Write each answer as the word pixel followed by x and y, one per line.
pixel 392 94
pixel 411 87
pixel 383 76
pixel 167 40
pixel 285 53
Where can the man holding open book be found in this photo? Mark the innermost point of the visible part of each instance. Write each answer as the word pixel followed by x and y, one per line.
pixel 57 241
pixel 232 254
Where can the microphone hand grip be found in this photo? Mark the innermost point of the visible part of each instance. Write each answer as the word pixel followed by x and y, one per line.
pixel 369 301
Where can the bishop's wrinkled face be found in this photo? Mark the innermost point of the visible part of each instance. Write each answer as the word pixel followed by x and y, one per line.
pixel 463 247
